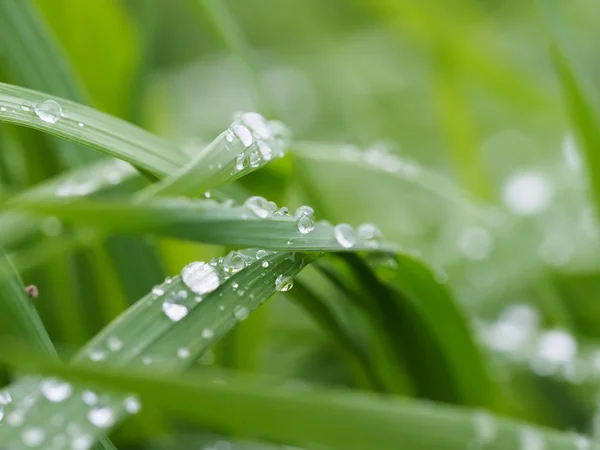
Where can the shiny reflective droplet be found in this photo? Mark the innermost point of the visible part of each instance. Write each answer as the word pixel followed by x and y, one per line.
pixel 3 109
pixel 243 134
pixel 265 264
pixel 200 278
pixel 527 193
pixel 183 353
pixel 33 436
pixel 283 211
pixel 81 124
pixel 240 162
pixel 240 313
pixel 259 206
pixel 132 404
pixel 305 224
pixel 25 107
pixel 369 233
pixel 258 125
pixel 304 210
pixel 254 159
pixel 158 291
pixel 284 283
pixel 344 235
pixel 265 150
pixel 233 262
pixel 49 111
pixel 15 418
pixel 103 417
pixel 174 310
pixel 55 390
pixel 475 243
pixel 261 254
pixel 114 343
pixel 207 333
pixel 229 136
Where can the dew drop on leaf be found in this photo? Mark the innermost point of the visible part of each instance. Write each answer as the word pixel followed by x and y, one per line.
pixel 132 404
pixel 33 436
pixel 207 333
pixel 243 134
pixel 200 278
pixel 305 224
pixel 102 417
pixel 49 111
pixel 259 206
pixel 55 390
pixel 240 313
pixel 284 283
pixel 344 235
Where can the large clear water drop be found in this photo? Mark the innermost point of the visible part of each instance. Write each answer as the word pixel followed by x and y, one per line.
pixel 49 111
pixel 284 283
pixel 200 278
pixel 344 235
pixel 55 390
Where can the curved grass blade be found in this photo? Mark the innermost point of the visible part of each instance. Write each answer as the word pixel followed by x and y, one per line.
pixel 579 94
pixel 204 221
pixel 422 318
pixel 395 166
pixel 336 419
pixel 92 128
pixel 165 331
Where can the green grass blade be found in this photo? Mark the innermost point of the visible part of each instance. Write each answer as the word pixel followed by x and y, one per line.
pixel 392 165
pixel 17 313
pixel 92 128
pixel 166 331
pixel 336 419
pixel 203 221
pixel 582 101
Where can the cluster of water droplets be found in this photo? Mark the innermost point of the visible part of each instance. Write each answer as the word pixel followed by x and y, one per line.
pixel 381 158
pixel 517 336
pixel 345 235
pixel 101 413
pixel 261 140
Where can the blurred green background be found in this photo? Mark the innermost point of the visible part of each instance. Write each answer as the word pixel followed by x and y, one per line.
pixel 466 91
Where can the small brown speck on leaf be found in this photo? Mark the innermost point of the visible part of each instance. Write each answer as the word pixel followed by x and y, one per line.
pixel 32 291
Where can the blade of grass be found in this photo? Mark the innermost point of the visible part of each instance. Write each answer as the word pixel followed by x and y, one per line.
pixel 156 332
pixel 337 419
pixel 199 220
pixel 582 102
pixel 92 128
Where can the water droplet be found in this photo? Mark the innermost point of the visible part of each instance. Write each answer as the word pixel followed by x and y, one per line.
pixel 265 150
pixel 173 309
pixel 258 125
pixel 183 353
pixel 197 299
pixel 81 442
pixel 89 397
pixel 555 349
pixel 243 134
pixel 207 333
pixel 344 235
pixel 283 211
pixel 132 404
pixel 485 427
pixel 114 344
pixel 234 286
pixel 260 254
pixel 81 124
pixel 475 243
pixel 233 262
pixel 103 417
pixel 158 291
pixel 305 224
pixel 146 360
pixel 3 109
pixel 182 294
pixel 284 283
pixel 254 159
pixel 15 418
pixel 200 278
pixel 33 436
pixel 55 390
pixel 369 233
pixel 97 355
pixel 265 264
pixel 527 193
pixel 49 111
pixel 240 161
pixel 229 136
pixel 25 107
pixel 221 308
pixel 240 313
pixel 304 211
pixel 259 206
